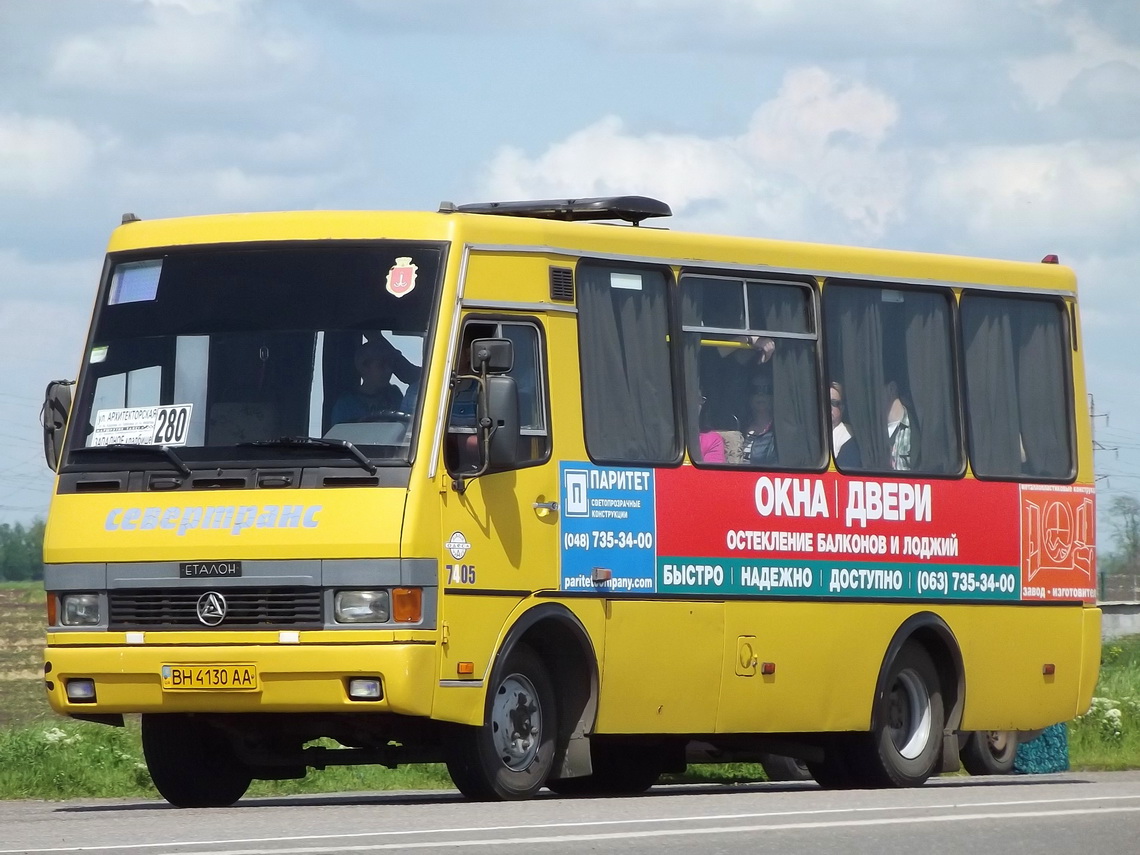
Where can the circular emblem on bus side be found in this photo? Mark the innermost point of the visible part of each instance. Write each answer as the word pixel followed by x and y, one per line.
pixel 457 545
pixel 211 608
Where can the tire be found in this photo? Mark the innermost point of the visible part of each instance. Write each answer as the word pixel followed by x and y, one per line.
pixel 836 770
pixel 780 768
pixel 192 762
pixel 620 769
pixel 989 752
pixel 905 744
pixel 511 754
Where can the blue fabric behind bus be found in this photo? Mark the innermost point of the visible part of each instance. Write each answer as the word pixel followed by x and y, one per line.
pixel 1049 752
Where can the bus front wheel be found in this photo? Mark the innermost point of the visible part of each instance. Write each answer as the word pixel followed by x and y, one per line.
pixel 192 762
pixel 511 754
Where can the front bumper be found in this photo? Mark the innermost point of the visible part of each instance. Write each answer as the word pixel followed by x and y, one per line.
pixel 294 678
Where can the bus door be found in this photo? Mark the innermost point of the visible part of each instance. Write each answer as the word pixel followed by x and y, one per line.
pixel 500 529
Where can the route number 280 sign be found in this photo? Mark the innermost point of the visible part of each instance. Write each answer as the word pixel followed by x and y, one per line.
pixel 168 425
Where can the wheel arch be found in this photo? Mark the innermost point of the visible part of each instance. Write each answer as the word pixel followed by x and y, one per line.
pixel 933 633
pixel 561 641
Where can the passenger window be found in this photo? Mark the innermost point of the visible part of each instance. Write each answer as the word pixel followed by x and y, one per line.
pixel 890 364
pixel 1017 387
pixel 627 378
pixel 751 372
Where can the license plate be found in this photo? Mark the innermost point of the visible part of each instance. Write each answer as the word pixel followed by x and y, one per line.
pixel 240 678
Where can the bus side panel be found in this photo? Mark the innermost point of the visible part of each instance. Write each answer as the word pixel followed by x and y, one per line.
pixel 826 658
pixel 1005 650
pixel 662 666
pixel 473 626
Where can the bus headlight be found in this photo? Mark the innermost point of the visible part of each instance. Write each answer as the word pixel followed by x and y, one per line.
pixel 361 607
pixel 79 610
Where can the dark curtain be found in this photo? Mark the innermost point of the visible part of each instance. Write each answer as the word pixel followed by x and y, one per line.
pixel 935 445
pixel 795 383
pixel 627 390
pixel 1042 380
pixel 855 359
pixel 991 384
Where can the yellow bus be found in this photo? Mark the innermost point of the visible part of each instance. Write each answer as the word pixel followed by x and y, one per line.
pixel 562 498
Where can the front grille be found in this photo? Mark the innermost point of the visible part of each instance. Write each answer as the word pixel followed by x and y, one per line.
pixel 256 608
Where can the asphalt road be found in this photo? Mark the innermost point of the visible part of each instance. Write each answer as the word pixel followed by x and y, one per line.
pixel 1069 813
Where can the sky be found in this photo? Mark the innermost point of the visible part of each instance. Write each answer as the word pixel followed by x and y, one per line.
pixel 1001 129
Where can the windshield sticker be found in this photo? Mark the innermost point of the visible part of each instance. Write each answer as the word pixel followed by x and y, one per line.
pixel 402 277
pixel 135 282
pixel 626 281
pixel 98 354
pixel 142 426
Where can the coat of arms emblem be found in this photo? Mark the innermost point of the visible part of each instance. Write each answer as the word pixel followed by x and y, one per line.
pixel 402 277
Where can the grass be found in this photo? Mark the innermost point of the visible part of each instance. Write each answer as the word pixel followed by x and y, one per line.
pixel 45 756
pixel 1107 737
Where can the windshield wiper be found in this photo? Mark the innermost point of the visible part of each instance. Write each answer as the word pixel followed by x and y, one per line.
pixel 165 450
pixel 316 442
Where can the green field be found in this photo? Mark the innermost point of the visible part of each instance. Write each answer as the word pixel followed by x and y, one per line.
pixel 45 756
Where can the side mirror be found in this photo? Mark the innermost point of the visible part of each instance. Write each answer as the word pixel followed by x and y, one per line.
pixel 492 356
pixel 499 421
pixel 485 426
pixel 53 419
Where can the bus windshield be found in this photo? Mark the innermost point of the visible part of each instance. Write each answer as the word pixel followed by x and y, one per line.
pixel 224 355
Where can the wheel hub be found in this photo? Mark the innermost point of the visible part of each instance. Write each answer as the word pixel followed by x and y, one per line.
pixel 908 714
pixel 516 723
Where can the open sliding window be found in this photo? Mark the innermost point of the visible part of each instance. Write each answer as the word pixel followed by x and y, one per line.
pixel 751 371
pixel 1018 381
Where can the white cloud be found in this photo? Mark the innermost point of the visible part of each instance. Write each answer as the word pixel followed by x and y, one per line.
pixel 202 172
pixel 314 147
pixel 184 45
pixel 40 156
pixel 1083 192
pixel 1046 79
pixel 816 149
pixel 200 7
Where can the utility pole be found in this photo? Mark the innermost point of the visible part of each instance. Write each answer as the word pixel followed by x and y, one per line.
pixel 1093 416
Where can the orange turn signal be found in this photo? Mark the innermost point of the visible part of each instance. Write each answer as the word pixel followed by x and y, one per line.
pixel 407 605
pixel 52 606
pixel 465 668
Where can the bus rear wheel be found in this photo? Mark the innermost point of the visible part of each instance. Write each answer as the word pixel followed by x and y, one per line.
pixel 511 754
pixel 905 743
pixel 192 762
pixel 989 752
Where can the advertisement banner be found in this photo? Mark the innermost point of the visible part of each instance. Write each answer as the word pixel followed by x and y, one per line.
pixel 692 532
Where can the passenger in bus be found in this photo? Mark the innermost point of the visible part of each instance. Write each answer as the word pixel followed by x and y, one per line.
pixel 376 361
pixel 760 438
pixel 712 443
pixel 898 428
pixel 843 444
